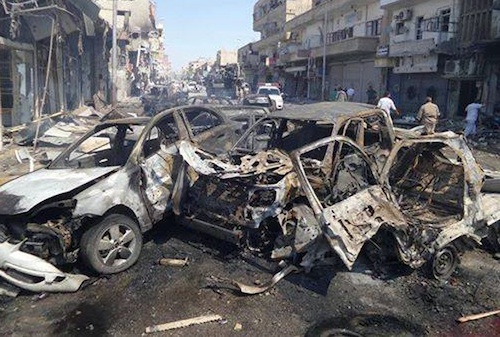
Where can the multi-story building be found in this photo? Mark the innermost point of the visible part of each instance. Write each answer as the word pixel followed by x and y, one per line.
pixel 447 49
pixel 140 44
pixel 474 71
pixel 337 39
pixel 420 38
pixel 260 60
pixel 50 57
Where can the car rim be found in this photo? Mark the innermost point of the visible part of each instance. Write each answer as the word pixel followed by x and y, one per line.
pixel 116 245
pixel 444 263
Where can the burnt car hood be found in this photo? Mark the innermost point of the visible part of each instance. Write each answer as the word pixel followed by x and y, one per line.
pixel 22 194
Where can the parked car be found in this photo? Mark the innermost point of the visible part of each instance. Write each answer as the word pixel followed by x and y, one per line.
pixel 98 196
pixel 274 93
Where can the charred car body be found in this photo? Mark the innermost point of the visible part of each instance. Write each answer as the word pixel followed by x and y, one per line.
pixel 300 184
pixel 98 196
pixel 289 188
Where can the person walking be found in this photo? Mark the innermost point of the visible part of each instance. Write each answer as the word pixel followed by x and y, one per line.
pixel 350 94
pixel 371 94
pixel 472 111
pixel 387 104
pixel 428 116
pixel 341 95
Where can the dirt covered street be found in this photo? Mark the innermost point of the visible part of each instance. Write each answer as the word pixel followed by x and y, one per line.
pixel 375 299
pixel 391 301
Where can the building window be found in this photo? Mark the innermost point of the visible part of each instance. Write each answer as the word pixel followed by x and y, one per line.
pixel 373 28
pixel 401 28
pixel 419 30
pixel 445 16
pixel 340 35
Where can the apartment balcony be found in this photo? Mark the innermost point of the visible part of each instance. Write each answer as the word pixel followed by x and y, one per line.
pixel 391 3
pixel 317 13
pixel 412 47
pixel 274 13
pixel 271 41
pixel 356 46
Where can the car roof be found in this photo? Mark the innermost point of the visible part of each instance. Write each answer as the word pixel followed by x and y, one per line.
pixel 130 120
pixel 323 111
pixel 236 110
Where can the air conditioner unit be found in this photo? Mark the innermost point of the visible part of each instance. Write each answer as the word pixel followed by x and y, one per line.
pixel 403 15
pixel 452 67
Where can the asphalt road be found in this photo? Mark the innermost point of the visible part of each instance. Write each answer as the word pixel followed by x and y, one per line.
pixel 392 301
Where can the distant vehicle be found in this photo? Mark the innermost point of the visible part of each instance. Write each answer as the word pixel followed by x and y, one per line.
pixel 259 100
pixel 204 100
pixel 192 86
pixel 273 92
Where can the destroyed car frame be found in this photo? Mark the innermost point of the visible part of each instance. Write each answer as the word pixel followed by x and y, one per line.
pixel 431 212
pixel 97 197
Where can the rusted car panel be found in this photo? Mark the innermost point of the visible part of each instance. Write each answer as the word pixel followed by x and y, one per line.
pixel 428 196
pixel 355 220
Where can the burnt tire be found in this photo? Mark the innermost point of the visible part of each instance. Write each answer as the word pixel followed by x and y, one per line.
pixel 112 245
pixel 444 262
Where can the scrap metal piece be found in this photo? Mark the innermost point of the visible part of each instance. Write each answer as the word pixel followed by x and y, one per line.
pixel 173 262
pixel 19 268
pixel 253 290
pixel 183 323
pixel 477 316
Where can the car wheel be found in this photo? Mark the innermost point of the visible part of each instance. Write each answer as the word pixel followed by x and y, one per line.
pixel 112 245
pixel 445 262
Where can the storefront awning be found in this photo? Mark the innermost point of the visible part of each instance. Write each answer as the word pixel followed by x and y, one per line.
pixel 295 69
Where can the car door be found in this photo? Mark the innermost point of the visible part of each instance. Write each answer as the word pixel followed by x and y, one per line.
pixel 160 164
pixel 346 195
pixel 209 130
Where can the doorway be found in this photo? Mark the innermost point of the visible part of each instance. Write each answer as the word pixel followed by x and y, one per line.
pixel 468 94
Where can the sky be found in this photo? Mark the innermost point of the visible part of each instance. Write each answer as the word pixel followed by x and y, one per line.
pixel 198 28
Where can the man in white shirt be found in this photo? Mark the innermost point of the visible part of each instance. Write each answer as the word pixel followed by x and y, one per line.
pixel 387 104
pixel 472 111
pixel 350 94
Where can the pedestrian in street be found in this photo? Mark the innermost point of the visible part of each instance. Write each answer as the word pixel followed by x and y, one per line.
pixel 472 111
pixel 428 116
pixel 341 95
pixel 387 104
pixel 350 94
pixel 371 94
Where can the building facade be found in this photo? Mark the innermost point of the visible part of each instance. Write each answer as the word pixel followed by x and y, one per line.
pixel 446 49
pixel 260 61
pixel 421 36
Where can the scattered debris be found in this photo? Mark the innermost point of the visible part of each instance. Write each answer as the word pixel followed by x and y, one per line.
pixel 183 323
pixel 477 316
pixel 173 262
pixel 258 289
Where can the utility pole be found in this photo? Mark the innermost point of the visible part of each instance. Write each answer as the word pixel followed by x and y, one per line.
pixel 114 55
pixel 323 75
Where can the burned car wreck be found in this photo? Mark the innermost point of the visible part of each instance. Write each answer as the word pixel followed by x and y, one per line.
pixel 302 198
pixel 318 180
pixel 97 197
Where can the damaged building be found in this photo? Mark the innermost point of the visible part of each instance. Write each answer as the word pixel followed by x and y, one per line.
pixel 56 55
